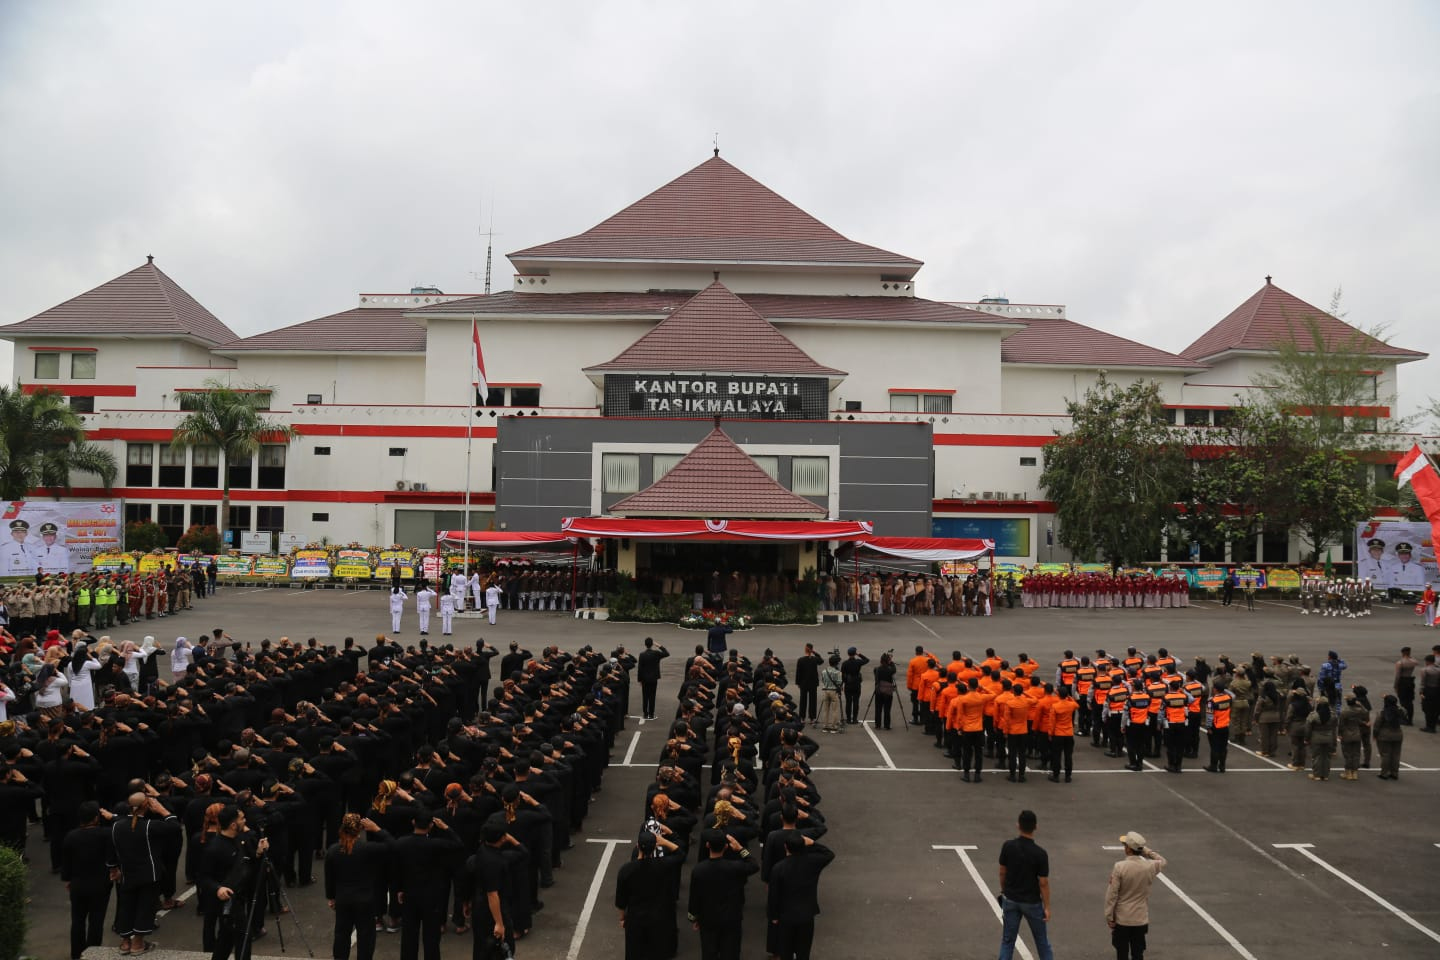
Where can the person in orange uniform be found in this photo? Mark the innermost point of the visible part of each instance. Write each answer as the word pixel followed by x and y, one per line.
pixel 929 686
pixel 1156 689
pixel 1117 707
pixel 1217 711
pixel 912 681
pixel 1014 714
pixel 1085 675
pixel 948 691
pixel 993 688
pixel 969 710
pixel 1174 717
pixel 1137 727
pixel 1196 689
pixel 1063 710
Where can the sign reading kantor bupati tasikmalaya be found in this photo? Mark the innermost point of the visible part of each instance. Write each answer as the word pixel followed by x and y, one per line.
pixel 703 396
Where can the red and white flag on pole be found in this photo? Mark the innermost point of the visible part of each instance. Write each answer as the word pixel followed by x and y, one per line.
pixel 1416 469
pixel 477 363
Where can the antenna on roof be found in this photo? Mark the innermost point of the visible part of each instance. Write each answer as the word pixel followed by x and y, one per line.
pixel 717 143
pixel 1267 279
pixel 149 258
pixel 489 246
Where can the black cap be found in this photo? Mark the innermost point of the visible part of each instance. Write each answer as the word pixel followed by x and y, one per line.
pixel 1375 542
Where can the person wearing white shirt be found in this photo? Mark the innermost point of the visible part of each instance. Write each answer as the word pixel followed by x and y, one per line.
pixel 476 589
pixel 397 607
pixel 82 686
pixel 1407 573
pixel 447 613
pixel 492 599
pixel 180 658
pixel 50 556
pixel 424 602
pixel 459 586
pixel 6 696
pixel 50 691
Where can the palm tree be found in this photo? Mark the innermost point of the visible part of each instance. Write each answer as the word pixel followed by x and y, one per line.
pixel 42 442
pixel 224 417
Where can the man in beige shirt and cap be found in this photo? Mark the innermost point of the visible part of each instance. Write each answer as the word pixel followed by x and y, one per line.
pixel 1127 898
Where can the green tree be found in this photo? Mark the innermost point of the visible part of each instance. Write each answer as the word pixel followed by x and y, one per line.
pixel 42 442
pixel 1116 475
pixel 199 539
pixel 230 419
pixel 145 535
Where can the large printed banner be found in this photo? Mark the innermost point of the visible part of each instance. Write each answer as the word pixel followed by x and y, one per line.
pixel 1283 578
pixel 56 536
pixel 271 567
pixel 112 562
pixel 156 562
pixel 352 563
pixel 405 558
pixel 1395 555
pixel 310 563
pixel 228 566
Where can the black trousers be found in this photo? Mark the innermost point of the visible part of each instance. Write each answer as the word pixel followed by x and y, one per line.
pixel 231 936
pixel 1062 751
pixel 809 702
pixel 421 920
pixel 1129 942
pixel 914 706
pixel 1219 748
pixel 1405 693
pixel 1137 742
pixel 1015 744
pixel 135 909
pixel 795 940
pixel 720 941
pixel 1176 736
pixel 883 703
pixel 852 704
pixel 972 750
pixel 359 917
pixel 650 939
pixel 647 697
pixel 87 920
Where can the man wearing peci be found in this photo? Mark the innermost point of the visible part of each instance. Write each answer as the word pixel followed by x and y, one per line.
pixel 648 673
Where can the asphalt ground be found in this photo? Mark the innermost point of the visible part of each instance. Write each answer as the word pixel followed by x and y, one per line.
pixel 915 872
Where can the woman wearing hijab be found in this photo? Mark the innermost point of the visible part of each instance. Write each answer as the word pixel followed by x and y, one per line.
pixel 149 665
pixel 82 686
pixel 1389 735
pixel 1320 738
pixel 50 684
pixel 1297 714
pixel 180 659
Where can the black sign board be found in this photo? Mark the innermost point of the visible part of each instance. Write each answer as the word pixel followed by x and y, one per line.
pixel 703 397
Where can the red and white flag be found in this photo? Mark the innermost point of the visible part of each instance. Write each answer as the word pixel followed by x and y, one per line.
pixel 1416 469
pixel 477 363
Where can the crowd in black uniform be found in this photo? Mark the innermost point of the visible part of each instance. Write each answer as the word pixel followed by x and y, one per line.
pixel 760 803
pixel 427 795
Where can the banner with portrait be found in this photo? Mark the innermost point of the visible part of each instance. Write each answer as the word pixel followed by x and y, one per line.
pixel 1395 554
pixel 56 536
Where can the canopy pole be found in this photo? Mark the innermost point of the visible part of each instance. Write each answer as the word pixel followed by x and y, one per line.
pixel 991 576
pixel 574 560
pixel 469 430
pixel 855 590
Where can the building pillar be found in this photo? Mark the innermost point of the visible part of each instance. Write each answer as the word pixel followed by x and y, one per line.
pixel 1164 546
pixel 1227 550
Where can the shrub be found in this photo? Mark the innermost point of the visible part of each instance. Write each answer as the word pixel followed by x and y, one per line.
pixel 199 539
pixel 12 904
pixel 145 535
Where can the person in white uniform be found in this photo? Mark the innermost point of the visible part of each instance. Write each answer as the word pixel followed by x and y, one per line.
pixel 1373 566
pixel 17 558
pixel 1407 573
pixel 179 659
pixel 424 603
pixel 476 589
pixel 82 686
pixel 397 607
pixel 459 586
pixel 492 599
pixel 50 556
pixel 447 612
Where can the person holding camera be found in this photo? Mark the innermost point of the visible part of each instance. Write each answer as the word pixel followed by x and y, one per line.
pixel 884 689
pixel 852 681
pixel 230 882
pixel 1127 898
pixel 136 850
pixel 830 682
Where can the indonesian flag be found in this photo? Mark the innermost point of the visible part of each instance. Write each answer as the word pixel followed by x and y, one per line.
pixel 477 363
pixel 1416 469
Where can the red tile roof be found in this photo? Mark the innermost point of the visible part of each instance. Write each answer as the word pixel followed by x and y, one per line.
pixel 715 214
pixel 143 302
pixel 362 330
pixel 717 479
pixel 1273 316
pixel 1059 341
pixel 717 332
pixel 770 306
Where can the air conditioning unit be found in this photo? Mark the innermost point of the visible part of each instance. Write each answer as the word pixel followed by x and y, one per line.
pixel 419 486
pixel 988 495
pixel 401 485
pixel 1020 496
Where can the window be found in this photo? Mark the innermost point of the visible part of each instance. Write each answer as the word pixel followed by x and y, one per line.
pixel 322 451
pixel 810 476
pixel 239 473
pixel 937 403
pixel 496 398
pixel 82 404
pixel 1197 418
pixel 524 396
pixel 172 466
pixel 620 472
pixel 397 451
pixel 319 518
pixel 203 514
pixel 47 366
pixel 239 518
pixel 137 512
pixel 1168 416
pixel 852 406
pixel 270 518
pixel 82 366
pixel 663 463
pixel 771 465
pixel 1223 418
pixel 272 466
pixel 139 458
pixel 1027 461
pixel 314 398
pixel 205 467
pixel 905 402
pixel 171 517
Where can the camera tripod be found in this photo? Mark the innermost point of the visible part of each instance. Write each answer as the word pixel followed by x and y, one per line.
pixel 269 875
pixel 895 697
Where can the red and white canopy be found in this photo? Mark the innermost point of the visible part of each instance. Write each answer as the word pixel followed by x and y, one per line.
pixel 637 528
pixel 505 539
pixel 934 549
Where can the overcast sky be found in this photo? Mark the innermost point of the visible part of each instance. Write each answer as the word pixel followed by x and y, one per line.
pixel 1145 163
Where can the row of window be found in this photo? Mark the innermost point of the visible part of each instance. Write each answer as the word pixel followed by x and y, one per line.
pixel 620 472
pixel 175 518
pixel 82 365
pixel 141 463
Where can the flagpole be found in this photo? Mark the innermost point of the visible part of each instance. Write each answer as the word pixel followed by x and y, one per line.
pixel 469 430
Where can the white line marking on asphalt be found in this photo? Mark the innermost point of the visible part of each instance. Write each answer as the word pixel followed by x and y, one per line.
pixel 1235 833
pixel 1304 850
pixel 960 849
pixel 878 745
pixel 1151 767
pixel 578 939
pixel 630 754
pixel 182 899
pixel 1406 765
pixel 1257 756
pixel 927 629
pixel 1214 924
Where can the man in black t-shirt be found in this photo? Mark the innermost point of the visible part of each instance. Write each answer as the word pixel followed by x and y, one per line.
pixel 1025 889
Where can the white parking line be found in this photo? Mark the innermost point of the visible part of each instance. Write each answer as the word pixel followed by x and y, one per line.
pixel 1257 756
pixel 927 630
pixel 1201 912
pixel 630 754
pixel 182 900
pixel 1304 850
pixel 578 939
pixel 885 754
pixel 960 850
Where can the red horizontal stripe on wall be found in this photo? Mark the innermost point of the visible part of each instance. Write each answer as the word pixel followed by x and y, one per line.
pixel 386 430
pixel 946 507
pixel 132 434
pixel 1345 411
pixel 147 494
pixel 990 440
pixel 83 390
